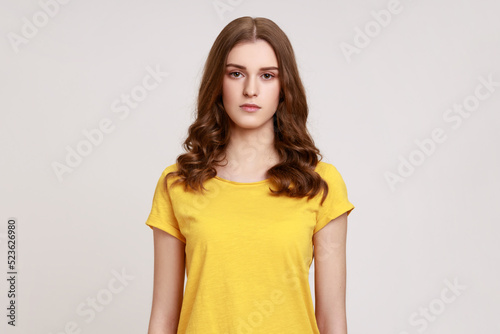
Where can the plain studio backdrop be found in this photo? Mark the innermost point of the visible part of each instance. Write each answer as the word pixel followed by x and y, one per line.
pixel 96 99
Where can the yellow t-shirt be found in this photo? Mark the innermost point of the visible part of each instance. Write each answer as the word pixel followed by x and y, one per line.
pixel 248 253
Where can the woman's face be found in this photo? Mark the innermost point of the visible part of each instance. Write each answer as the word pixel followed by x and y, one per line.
pixel 251 77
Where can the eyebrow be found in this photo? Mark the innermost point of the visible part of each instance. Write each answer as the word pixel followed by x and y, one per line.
pixel 262 68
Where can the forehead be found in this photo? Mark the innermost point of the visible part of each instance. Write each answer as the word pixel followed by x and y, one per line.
pixel 253 54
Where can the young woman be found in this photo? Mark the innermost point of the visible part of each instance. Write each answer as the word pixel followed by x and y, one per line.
pixel 241 210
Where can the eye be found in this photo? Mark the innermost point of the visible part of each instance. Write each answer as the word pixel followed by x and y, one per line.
pixel 234 76
pixel 269 76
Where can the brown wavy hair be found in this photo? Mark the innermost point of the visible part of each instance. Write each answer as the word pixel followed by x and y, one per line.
pixel 209 135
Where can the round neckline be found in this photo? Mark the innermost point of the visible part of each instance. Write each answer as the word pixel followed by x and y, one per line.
pixel 242 183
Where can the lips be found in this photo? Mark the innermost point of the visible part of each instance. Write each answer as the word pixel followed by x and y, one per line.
pixel 249 107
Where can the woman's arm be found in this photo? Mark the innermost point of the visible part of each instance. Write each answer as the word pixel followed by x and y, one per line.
pixel 330 276
pixel 168 286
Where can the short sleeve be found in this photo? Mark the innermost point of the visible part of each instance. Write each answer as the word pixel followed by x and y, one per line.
pixel 162 214
pixel 336 203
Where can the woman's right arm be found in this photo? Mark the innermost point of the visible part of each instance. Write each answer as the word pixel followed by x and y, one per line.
pixel 168 285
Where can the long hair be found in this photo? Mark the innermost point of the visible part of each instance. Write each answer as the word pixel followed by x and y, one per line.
pixel 209 135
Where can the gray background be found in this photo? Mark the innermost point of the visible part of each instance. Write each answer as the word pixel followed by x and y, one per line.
pixel 406 244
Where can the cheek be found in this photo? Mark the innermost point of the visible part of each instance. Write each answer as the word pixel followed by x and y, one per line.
pixel 229 86
pixel 228 89
pixel 224 90
pixel 274 92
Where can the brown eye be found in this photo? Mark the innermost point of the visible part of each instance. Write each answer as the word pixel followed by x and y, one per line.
pixel 231 74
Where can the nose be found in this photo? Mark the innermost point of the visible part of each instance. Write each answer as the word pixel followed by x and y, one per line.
pixel 250 88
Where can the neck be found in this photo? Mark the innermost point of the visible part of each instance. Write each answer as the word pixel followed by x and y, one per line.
pixel 252 148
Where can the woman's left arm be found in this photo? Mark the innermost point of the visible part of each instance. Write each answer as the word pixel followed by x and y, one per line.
pixel 330 276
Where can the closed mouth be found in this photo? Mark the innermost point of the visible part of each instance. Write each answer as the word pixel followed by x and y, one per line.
pixel 249 106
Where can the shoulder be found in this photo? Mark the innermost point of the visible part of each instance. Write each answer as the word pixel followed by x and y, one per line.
pixel 325 168
pixel 170 168
pixel 329 172
pixel 166 170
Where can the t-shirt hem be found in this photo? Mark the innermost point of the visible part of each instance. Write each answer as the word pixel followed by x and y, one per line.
pixel 167 228
pixel 348 207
